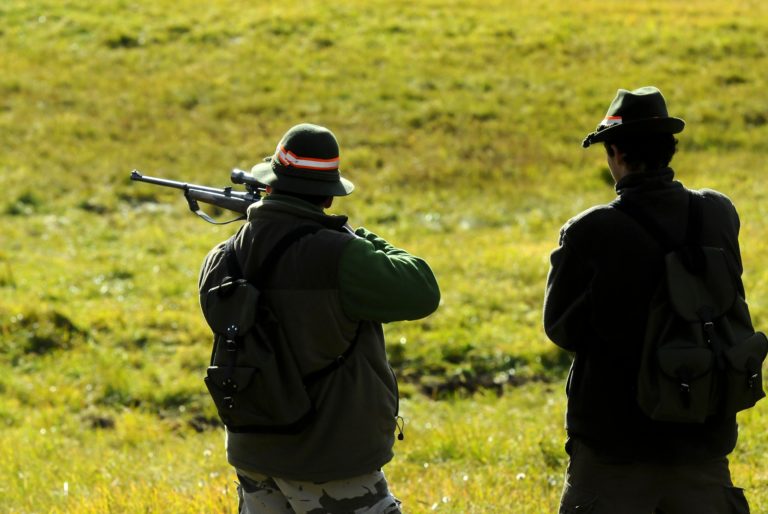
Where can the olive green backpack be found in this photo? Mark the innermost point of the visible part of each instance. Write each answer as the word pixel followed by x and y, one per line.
pixel 253 376
pixel 701 356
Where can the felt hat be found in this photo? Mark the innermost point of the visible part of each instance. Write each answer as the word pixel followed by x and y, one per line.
pixel 306 161
pixel 632 113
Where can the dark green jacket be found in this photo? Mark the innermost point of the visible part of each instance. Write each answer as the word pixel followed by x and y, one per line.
pixel 600 284
pixel 326 288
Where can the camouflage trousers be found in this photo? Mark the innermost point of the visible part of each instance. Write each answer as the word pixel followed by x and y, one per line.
pixel 365 494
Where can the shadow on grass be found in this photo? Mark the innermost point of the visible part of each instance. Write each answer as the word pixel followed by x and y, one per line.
pixel 477 373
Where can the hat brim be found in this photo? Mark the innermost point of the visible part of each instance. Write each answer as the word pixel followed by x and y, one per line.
pixel 265 173
pixel 647 126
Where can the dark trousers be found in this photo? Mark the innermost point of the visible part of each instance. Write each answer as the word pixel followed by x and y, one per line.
pixel 595 486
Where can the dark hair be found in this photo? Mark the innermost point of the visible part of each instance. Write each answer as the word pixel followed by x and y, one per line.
pixel 648 152
pixel 313 199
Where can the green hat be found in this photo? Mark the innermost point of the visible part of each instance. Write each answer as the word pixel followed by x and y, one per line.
pixel 306 161
pixel 642 111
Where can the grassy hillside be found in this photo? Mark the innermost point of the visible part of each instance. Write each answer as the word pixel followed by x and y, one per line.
pixel 460 123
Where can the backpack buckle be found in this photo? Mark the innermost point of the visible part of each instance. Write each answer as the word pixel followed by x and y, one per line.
pixel 230 343
pixel 229 384
pixel 685 393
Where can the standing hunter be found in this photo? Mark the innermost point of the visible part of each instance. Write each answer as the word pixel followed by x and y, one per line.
pixel 330 288
pixel 601 282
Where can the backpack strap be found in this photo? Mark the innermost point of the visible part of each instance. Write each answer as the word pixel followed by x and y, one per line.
pixel 690 252
pixel 264 270
pixel 695 219
pixel 277 251
pixel 657 232
pixel 316 375
pixel 235 273
pixel 269 262
pixel 233 267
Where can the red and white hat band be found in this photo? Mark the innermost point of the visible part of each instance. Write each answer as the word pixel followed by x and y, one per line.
pixel 610 121
pixel 288 158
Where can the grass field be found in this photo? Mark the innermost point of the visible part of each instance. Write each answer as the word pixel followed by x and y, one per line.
pixel 460 123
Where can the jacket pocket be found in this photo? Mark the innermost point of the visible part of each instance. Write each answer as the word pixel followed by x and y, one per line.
pixel 744 375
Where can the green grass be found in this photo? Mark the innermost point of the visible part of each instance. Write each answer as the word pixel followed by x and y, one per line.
pixel 460 123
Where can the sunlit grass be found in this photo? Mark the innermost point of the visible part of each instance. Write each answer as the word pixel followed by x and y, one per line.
pixel 480 455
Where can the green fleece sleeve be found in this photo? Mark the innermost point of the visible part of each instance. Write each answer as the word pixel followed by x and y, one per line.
pixel 379 282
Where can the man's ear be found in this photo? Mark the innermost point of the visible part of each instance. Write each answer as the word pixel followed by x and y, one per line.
pixel 617 154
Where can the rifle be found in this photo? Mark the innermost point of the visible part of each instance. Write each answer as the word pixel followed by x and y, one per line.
pixel 226 198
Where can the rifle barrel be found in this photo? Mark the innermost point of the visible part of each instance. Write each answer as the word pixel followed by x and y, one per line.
pixel 136 175
pixel 237 201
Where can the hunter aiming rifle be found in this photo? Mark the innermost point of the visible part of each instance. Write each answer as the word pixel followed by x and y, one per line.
pixel 226 198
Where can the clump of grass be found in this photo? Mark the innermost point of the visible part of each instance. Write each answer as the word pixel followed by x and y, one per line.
pixel 38 331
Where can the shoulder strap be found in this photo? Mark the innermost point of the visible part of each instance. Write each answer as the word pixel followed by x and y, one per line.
pixel 233 266
pixel 657 232
pixel 316 375
pixel 689 250
pixel 695 220
pixel 266 268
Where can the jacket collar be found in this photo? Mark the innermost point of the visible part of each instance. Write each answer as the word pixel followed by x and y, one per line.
pixel 647 180
pixel 291 207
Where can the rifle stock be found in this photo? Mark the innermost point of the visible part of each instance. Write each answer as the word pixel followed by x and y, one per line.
pixel 233 202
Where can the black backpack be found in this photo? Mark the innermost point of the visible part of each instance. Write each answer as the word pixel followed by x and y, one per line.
pixel 701 356
pixel 253 376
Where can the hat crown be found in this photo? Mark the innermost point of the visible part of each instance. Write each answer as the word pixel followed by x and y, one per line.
pixel 643 103
pixel 311 142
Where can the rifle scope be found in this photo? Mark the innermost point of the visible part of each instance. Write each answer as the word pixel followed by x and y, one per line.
pixel 243 177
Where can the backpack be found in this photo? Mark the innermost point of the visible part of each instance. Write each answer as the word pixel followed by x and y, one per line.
pixel 253 377
pixel 700 355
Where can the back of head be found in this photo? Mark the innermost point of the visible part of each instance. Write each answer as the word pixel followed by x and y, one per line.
pixel 319 200
pixel 645 152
